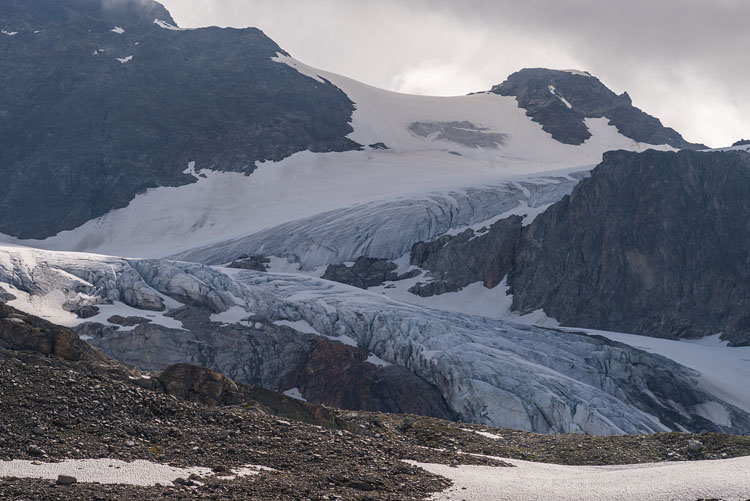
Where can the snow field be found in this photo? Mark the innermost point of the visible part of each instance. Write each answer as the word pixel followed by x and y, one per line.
pixel 112 471
pixel 726 479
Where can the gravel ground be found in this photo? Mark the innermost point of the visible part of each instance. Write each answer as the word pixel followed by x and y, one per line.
pixel 53 410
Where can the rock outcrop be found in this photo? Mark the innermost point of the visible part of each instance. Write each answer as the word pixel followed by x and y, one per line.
pixel 366 272
pixel 339 375
pixel 472 256
pixel 652 243
pixel 199 384
pixel 21 331
pixel 561 100
pixel 255 263
pixel 127 103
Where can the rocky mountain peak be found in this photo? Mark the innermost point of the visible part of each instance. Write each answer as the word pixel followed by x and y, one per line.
pixel 33 15
pixel 561 100
pixel 101 76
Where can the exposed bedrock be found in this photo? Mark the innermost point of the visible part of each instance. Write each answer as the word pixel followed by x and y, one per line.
pixel 561 101
pixel 652 243
pixel 655 243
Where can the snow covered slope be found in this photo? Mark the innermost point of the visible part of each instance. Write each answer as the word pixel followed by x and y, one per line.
pixel 413 146
pixel 387 229
pixel 487 371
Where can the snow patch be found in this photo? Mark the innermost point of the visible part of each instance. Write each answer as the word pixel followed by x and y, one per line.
pixel 117 30
pixel 554 92
pixel 47 306
pixel 109 310
pixel 191 170
pixel 302 68
pixel 111 471
pixel 9 33
pixel 124 60
pixel 282 265
pixel 234 315
pixel 300 326
pixel 295 394
pixel 376 360
pixel 165 25
pixel 719 479
pixel 578 72
pixel 485 434
pixel 474 299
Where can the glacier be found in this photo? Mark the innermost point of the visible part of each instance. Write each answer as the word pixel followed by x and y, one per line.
pixel 488 371
pixel 387 229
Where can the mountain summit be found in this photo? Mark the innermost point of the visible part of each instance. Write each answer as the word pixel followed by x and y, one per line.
pixel 101 101
pixel 561 100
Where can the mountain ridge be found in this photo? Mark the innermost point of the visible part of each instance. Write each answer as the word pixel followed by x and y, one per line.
pixel 561 99
pixel 126 108
pixel 104 82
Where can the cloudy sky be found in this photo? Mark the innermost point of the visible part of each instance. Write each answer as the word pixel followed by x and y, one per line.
pixel 684 61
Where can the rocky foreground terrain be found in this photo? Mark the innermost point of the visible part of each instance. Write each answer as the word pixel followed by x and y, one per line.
pixel 61 399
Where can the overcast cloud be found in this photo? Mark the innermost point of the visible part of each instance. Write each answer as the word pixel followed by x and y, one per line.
pixel 684 61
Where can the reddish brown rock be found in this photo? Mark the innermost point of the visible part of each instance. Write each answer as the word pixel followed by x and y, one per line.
pixel 199 384
pixel 340 376
pixel 22 332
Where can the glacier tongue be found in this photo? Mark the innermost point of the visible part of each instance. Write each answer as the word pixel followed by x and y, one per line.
pixel 488 371
pixel 387 229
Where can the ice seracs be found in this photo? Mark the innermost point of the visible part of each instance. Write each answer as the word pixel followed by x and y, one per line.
pixel 487 371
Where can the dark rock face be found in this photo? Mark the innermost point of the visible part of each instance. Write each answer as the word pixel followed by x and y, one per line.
pixel 255 263
pixel 457 261
pixel 199 384
pixel 112 127
pixel 6 296
pixel 339 376
pixel 366 272
pixel 87 311
pixel 742 142
pixel 19 331
pixel 653 243
pixel 541 92
pixel 127 321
